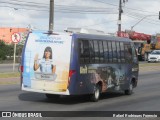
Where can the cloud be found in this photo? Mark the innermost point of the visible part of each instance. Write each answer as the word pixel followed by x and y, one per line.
pixel 133 12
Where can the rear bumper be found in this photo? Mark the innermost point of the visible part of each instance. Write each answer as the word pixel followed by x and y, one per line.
pixel 46 91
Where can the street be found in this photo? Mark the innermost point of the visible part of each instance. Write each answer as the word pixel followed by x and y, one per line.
pixel 8 68
pixel 146 97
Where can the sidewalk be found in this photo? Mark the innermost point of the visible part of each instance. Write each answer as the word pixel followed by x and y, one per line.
pixel 10 64
pixel 151 67
pixel 6 81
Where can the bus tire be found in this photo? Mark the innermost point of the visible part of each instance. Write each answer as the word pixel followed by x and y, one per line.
pixel 129 91
pixel 96 94
pixel 51 96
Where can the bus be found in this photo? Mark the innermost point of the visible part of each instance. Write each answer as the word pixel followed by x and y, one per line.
pixel 61 64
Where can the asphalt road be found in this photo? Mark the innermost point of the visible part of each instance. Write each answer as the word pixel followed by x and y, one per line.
pixel 146 97
pixel 8 68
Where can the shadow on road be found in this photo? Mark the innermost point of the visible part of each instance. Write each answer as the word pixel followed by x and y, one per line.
pixel 39 97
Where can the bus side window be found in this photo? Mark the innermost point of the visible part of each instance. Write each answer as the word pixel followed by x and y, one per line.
pixel 118 51
pixel 110 51
pixel 114 50
pixel 106 52
pixel 122 52
pixel 134 54
pixel 101 55
pixel 128 52
pixel 91 49
pixel 81 52
pixel 96 50
pixel 86 52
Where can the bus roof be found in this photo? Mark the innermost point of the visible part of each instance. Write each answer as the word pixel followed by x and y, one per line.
pixel 100 37
pixel 88 36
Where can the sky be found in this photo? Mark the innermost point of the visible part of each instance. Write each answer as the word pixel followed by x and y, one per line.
pixel 91 14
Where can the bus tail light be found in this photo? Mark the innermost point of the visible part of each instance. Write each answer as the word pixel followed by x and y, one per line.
pixel 21 68
pixel 71 72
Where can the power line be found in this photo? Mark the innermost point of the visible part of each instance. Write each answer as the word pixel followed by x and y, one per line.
pixel 138 14
pixel 64 10
pixel 43 5
pixel 28 2
pixel 135 17
pixel 18 4
pixel 67 8
pixel 60 6
pixel 140 10
pixel 23 8
pixel 105 3
pixel 135 9
pixel 141 16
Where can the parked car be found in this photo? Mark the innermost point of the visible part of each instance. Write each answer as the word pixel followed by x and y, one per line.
pixel 154 56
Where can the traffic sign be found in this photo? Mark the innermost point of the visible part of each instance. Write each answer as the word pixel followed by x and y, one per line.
pixel 16 37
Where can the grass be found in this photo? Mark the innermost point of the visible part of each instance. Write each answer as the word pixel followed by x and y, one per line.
pixel 149 64
pixel 9 82
pixel 9 75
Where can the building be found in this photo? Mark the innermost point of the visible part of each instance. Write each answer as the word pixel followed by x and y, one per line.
pixel 6 33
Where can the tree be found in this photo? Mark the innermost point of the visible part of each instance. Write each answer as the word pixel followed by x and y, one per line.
pixel 2 50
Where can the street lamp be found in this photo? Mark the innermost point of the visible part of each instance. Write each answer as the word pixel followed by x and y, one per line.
pixel 141 20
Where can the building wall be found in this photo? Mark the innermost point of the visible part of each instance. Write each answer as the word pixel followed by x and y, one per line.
pixel 6 33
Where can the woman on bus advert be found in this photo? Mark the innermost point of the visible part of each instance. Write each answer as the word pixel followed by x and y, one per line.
pixel 46 66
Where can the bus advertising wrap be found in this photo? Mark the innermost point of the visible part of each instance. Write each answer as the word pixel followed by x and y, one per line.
pixel 46 62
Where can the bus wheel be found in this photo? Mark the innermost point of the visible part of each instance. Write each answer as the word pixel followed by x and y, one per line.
pixel 51 96
pixel 130 90
pixel 96 94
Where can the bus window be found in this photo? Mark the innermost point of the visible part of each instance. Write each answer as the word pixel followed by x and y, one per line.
pixel 81 52
pixel 122 53
pixel 91 49
pixel 101 51
pixel 134 54
pixel 86 51
pixel 106 53
pixel 128 52
pixel 96 50
pixel 114 50
pixel 118 51
pixel 110 51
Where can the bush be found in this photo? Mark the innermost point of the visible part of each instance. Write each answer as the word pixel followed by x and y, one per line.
pixel 7 51
pixel 2 55
pixel 2 50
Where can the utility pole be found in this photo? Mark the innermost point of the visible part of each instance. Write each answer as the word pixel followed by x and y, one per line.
pixel 51 16
pixel 119 17
pixel 120 14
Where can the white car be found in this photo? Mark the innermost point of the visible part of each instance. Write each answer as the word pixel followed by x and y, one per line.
pixel 154 56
